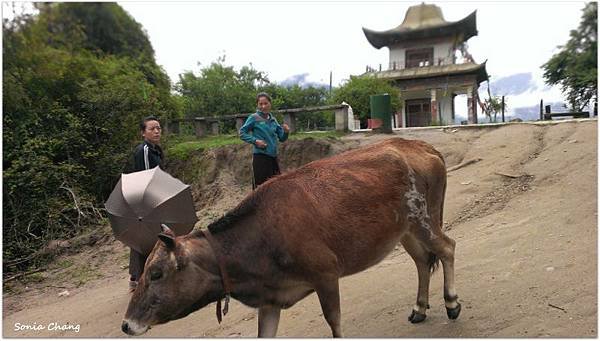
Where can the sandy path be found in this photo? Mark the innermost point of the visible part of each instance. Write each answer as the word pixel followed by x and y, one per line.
pixel 526 261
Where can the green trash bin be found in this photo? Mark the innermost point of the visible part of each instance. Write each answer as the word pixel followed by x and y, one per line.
pixel 381 113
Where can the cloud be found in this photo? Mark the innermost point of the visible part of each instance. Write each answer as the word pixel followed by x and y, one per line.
pixel 302 81
pixel 516 84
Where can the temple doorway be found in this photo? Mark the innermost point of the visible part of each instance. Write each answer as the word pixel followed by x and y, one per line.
pixel 418 112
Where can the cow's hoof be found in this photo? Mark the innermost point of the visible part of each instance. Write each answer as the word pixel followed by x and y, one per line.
pixel 416 317
pixel 453 312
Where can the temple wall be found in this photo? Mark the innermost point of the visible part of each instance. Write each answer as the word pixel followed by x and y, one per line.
pixel 445 103
pixel 444 52
pixel 441 50
pixel 397 54
pixel 402 122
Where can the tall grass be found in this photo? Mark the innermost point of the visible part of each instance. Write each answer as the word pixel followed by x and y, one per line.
pixel 181 146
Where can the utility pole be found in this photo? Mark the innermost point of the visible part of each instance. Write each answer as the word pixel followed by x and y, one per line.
pixel 502 109
pixel 330 81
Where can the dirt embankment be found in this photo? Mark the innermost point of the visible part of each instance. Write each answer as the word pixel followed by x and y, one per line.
pixel 221 177
pixel 521 204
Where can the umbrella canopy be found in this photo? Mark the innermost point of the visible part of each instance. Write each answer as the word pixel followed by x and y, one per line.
pixel 142 201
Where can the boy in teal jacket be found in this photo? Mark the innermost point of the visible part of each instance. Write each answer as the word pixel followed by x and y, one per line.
pixel 263 132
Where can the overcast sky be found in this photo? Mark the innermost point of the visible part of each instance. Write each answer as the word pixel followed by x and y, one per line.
pixel 291 38
pixel 312 38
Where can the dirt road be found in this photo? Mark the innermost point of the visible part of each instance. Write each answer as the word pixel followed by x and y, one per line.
pixel 525 221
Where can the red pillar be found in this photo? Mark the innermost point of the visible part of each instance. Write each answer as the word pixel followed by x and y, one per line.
pixel 472 105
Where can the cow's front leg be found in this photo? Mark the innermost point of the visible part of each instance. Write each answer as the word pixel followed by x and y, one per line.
pixel 268 320
pixel 329 296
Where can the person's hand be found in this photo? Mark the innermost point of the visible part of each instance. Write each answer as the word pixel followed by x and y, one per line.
pixel 260 144
pixel 286 128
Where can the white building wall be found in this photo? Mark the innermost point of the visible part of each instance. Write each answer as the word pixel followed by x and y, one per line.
pixel 397 54
pixel 444 52
pixel 441 50
pixel 445 104
pixel 402 122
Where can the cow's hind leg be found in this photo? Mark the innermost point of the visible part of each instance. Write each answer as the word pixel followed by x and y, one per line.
pixel 422 259
pixel 268 321
pixel 443 247
pixel 329 297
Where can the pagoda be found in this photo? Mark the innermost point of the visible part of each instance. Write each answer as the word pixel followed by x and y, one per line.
pixel 430 64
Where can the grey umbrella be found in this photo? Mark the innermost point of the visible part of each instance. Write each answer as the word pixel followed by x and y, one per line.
pixel 142 201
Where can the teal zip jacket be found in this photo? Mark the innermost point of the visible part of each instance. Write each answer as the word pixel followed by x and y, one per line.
pixel 257 127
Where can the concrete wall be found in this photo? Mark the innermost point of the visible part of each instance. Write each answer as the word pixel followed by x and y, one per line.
pixel 397 55
pixel 444 52
pixel 441 50
pixel 445 103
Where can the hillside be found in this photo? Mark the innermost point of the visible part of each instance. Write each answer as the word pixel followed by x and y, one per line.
pixel 523 211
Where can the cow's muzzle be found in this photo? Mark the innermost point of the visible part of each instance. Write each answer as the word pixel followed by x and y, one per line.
pixel 132 328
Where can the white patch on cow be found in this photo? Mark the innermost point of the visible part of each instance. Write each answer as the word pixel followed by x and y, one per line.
pixel 417 205
pixel 454 302
pixel 173 259
pixel 135 328
pixel 422 310
pixel 452 305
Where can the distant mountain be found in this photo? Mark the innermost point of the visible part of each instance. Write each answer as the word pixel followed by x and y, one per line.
pixel 302 81
pixel 523 92
pixel 516 84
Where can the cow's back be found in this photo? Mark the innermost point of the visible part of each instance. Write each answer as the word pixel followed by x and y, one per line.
pixel 351 207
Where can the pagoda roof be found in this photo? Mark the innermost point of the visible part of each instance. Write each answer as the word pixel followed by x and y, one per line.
pixel 422 22
pixel 436 71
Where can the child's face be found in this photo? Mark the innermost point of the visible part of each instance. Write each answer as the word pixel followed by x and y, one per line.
pixel 264 105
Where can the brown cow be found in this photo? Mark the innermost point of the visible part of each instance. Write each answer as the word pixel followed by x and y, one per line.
pixel 300 232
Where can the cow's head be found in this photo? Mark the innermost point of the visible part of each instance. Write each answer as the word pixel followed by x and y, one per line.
pixel 179 278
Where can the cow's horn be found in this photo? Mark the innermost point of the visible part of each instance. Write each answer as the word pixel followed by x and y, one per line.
pixel 166 230
pixel 167 236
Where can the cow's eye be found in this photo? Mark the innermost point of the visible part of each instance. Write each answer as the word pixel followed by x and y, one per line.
pixel 155 274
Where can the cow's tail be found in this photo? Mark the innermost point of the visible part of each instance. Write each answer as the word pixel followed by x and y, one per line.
pixel 434 263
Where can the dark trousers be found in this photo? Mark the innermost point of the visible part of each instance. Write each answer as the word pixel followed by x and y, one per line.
pixel 264 167
pixel 136 264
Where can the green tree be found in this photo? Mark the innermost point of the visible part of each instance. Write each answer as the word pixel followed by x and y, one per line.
pixel 295 96
pixel 357 91
pixel 70 120
pixel 492 106
pixel 219 90
pixel 575 67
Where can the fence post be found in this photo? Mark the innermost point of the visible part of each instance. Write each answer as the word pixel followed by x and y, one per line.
pixel 165 127
pixel 200 126
pixel 341 119
pixel 173 127
pixel 290 119
pixel 541 110
pixel 502 108
pixel 239 122
pixel 214 127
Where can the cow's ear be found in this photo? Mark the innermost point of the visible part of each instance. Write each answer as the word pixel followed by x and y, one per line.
pixel 167 236
pixel 167 239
